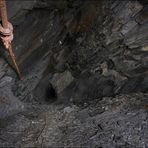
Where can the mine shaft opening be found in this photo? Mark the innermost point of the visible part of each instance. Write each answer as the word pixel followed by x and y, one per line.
pixel 84 67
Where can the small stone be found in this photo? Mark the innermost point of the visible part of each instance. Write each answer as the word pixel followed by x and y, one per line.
pixel 60 42
pixel 127 27
pixel 68 109
pixel 2 74
pixel 41 40
pixel 5 81
pixel 79 40
pixel 145 48
pixel 62 80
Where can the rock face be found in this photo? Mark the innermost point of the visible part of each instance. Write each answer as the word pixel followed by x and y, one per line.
pixel 78 42
pixel 16 7
pixel 81 54
pixel 9 104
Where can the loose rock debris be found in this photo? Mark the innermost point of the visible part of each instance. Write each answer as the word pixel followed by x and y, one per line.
pixel 96 77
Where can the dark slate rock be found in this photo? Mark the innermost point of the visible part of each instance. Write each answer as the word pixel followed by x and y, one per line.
pixel 128 9
pixel 136 84
pixel 127 27
pixel 9 104
pixel 142 17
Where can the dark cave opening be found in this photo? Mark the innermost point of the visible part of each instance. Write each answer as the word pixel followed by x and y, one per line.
pixel 85 74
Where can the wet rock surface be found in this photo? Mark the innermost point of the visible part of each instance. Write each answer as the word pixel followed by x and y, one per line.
pixel 85 77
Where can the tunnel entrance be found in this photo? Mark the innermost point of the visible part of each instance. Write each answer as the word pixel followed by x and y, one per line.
pixel 85 78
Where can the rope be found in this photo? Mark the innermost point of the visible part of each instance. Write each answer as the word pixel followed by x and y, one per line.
pixel 7 31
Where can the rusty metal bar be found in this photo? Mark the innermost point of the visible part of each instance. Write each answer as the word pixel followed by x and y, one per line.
pixel 3 13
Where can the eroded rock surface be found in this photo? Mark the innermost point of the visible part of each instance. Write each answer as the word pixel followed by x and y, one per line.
pixel 94 66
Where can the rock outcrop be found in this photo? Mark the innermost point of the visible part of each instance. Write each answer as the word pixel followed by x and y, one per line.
pixel 88 57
